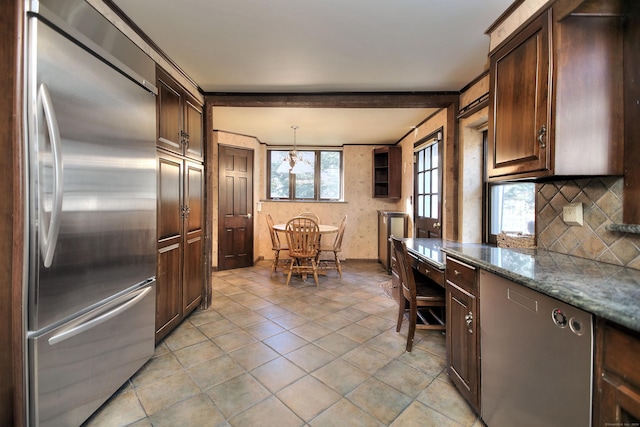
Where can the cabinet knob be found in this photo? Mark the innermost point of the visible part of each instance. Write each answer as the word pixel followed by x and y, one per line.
pixel 456 272
pixel 541 136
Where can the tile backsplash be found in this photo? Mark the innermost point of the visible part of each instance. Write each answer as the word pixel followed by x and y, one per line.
pixel 602 203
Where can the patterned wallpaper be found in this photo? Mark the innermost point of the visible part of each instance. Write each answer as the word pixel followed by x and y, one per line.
pixel 602 205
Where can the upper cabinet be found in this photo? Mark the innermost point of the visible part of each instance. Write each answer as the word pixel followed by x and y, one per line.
pixel 387 174
pixel 556 95
pixel 179 119
pixel 631 195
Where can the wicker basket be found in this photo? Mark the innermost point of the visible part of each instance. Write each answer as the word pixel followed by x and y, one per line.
pixel 516 240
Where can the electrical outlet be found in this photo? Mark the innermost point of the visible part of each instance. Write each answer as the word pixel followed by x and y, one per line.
pixel 572 214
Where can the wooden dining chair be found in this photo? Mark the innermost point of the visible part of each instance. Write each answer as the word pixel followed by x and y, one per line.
pixel 311 215
pixel 303 236
pixel 422 294
pixel 276 245
pixel 335 247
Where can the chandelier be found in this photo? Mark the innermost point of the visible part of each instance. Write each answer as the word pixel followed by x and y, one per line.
pixel 295 162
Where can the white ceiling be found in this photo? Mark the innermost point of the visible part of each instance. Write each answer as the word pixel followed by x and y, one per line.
pixel 305 46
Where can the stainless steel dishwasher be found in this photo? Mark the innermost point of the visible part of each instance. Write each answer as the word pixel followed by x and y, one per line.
pixel 536 357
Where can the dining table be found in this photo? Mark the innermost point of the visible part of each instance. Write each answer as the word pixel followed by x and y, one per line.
pixel 322 228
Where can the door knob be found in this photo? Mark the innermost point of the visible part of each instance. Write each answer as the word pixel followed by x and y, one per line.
pixel 437 225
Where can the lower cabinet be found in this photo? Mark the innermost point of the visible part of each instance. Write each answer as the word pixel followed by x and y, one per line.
pixel 617 394
pixel 463 332
pixel 180 265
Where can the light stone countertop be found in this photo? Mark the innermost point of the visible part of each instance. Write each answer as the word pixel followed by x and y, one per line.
pixel 609 291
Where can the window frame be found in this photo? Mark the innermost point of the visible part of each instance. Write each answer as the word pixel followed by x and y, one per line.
pixel 317 176
pixel 491 237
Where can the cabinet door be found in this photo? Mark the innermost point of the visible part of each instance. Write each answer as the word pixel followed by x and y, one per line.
pixel 193 130
pixel 519 120
pixel 462 343
pixel 619 405
pixel 169 267
pixel 194 237
pixel 169 102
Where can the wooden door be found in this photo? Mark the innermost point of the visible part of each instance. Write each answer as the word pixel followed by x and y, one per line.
pixel 193 278
pixel 170 233
pixel 519 120
pixel 169 105
pixel 427 187
pixel 235 236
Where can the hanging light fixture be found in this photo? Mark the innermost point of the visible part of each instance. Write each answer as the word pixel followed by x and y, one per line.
pixel 294 162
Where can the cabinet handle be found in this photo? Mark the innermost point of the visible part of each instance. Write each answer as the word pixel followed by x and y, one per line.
pixel 469 319
pixel 186 210
pixel 456 272
pixel 541 133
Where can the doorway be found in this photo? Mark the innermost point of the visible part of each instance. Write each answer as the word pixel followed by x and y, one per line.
pixel 427 186
pixel 235 207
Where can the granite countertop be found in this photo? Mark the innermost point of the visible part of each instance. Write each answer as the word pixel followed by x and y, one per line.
pixel 606 290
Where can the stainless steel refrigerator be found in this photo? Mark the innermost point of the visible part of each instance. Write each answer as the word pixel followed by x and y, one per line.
pixel 91 196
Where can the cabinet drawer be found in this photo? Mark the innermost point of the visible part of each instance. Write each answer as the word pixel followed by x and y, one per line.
pixel 428 270
pixel 621 348
pixel 461 274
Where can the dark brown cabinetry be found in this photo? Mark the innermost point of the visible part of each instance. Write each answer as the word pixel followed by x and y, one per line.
pixel 179 119
pixel 181 178
pixel 463 332
pixel 387 172
pixel 556 97
pixel 180 270
pixel 632 113
pixel 617 394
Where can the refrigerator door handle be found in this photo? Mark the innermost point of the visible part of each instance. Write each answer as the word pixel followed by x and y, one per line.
pixel 49 235
pixel 139 294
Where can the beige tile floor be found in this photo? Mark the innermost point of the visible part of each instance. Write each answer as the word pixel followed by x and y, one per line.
pixel 265 354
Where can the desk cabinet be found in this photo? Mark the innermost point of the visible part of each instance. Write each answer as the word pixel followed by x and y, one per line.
pixel 463 332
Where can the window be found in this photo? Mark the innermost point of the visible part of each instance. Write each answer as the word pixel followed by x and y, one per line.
pixel 428 183
pixel 512 208
pixel 318 175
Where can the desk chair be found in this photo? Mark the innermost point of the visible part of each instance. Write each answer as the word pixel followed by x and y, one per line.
pixel 421 294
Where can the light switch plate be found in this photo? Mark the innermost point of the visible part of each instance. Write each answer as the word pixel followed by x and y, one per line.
pixel 572 214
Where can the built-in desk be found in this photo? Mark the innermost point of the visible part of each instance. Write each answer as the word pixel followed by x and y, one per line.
pixel 428 259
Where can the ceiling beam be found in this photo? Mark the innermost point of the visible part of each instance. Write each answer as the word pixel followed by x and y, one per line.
pixel 334 100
